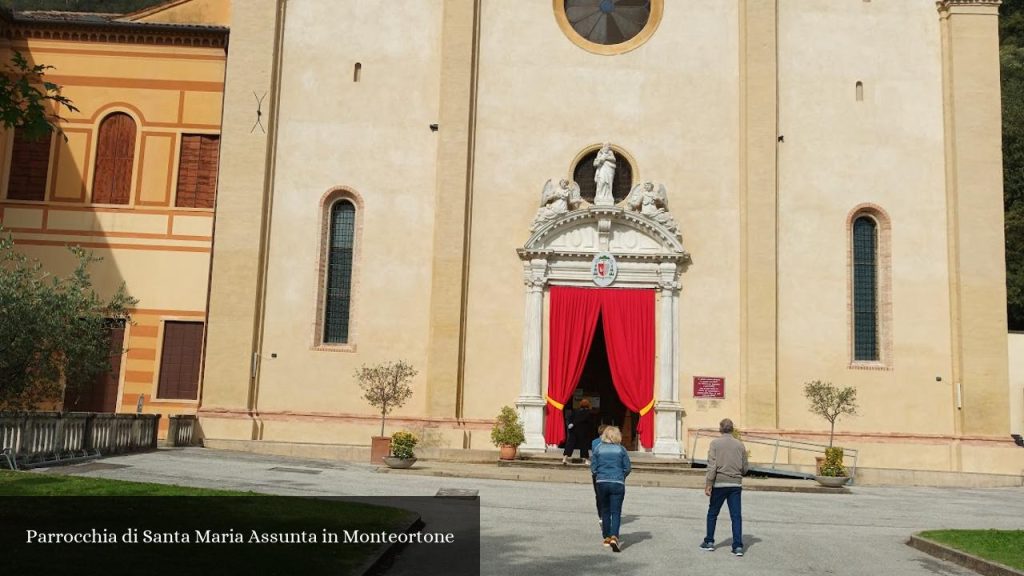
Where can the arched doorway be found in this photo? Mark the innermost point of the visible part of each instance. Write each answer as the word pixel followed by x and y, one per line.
pixel 649 256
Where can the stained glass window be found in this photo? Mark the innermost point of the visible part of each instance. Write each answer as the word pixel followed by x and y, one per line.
pixel 608 21
pixel 865 289
pixel 339 272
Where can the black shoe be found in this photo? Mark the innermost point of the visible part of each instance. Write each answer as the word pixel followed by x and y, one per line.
pixel 707 546
pixel 737 551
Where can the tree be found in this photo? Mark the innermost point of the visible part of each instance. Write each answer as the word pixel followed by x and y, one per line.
pixel 386 386
pixel 1011 58
pixel 29 102
pixel 54 331
pixel 830 402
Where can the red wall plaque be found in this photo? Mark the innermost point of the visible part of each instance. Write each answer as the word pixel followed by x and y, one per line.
pixel 708 387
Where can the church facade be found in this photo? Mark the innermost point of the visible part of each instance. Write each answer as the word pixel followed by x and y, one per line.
pixel 681 211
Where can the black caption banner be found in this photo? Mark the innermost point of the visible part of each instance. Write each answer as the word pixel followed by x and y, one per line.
pixel 238 535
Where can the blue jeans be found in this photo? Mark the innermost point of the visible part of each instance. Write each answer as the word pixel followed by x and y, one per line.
pixel 597 498
pixel 610 495
pixel 718 497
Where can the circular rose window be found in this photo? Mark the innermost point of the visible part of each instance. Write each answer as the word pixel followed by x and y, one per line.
pixel 608 26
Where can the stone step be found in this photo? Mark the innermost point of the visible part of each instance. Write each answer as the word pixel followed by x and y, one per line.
pixel 635 458
pixel 671 467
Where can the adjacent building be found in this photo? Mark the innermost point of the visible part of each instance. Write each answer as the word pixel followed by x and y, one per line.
pixel 132 177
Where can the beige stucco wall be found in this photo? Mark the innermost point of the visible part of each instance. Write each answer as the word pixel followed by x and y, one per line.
pixel 544 100
pixel 765 302
pixel 1016 393
pixel 840 153
pixel 373 138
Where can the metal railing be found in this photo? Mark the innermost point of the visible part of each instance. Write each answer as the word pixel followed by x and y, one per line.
pixel 32 439
pixel 776 443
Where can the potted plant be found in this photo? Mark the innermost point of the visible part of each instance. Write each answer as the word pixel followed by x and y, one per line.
pixel 402 455
pixel 386 387
pixel 507 433
pixel 830 402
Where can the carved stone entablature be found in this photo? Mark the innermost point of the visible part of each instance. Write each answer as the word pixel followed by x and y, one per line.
pixel 946 6
pixel 629 235
pixel 947 3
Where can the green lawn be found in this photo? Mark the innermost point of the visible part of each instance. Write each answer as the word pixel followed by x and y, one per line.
pixel 34 484
pixel 1002 546
pixel 43 503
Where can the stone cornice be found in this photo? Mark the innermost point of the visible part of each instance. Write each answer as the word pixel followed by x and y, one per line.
pixel 945 6
pixel 946 3
pixel 18 26
pixel 597 213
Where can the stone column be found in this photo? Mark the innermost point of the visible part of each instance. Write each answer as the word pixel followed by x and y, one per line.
pixel 531 398
pixel 758 197
pixel 667 410
pixel 243 204
pixel 974 200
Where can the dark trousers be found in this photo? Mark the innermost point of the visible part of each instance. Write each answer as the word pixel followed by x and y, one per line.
pixel 570 444
pixel 597 497
pixel 719 496
pixel 611 495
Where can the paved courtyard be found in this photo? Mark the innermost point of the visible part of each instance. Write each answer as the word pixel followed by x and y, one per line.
pixel 545 528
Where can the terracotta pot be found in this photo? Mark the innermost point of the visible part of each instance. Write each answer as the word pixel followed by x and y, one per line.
pixel 393 462
pixel 380 448
pixel 508 452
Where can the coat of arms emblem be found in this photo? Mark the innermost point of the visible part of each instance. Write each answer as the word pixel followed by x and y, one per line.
pixel 603 269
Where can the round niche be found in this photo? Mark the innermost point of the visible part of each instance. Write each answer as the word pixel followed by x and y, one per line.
pixel 583 170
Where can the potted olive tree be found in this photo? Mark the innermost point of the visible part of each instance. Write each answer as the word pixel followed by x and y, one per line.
pixel 402 455
pixel 830 402
pixel 507 433
pixel 386 387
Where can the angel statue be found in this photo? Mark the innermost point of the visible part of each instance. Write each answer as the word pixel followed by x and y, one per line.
pixel 604 175
pixel 653 203
pixel 555 201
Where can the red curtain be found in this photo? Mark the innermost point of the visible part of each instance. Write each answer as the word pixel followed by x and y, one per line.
pixel 629 334
pixel 628 318
pixel 574 314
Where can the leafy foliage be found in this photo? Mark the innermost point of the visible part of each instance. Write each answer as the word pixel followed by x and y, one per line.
pixel 1011 57
pixel 830 402
pixel 402 444
pixel 508 430
pixel 386 386
pixel 29 102
pixel 833 465
pixel 54 331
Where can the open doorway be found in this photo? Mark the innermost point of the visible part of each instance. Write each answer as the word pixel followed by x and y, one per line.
pixel 596 384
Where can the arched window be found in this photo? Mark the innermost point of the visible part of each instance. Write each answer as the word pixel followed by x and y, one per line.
pixel 338 297
pixel 583 174
pixel 865 289
pixel 115 153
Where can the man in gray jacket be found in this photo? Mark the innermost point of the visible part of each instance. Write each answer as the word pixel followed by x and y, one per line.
pixel 727 463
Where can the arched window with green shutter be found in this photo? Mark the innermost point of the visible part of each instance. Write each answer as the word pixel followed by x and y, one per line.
pixel 338 301
pixel 865 289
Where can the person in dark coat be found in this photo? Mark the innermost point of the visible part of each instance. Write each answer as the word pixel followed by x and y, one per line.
pixel 580 433
pixel 567 414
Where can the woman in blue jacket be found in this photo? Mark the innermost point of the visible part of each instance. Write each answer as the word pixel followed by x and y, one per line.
pixel 610 465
